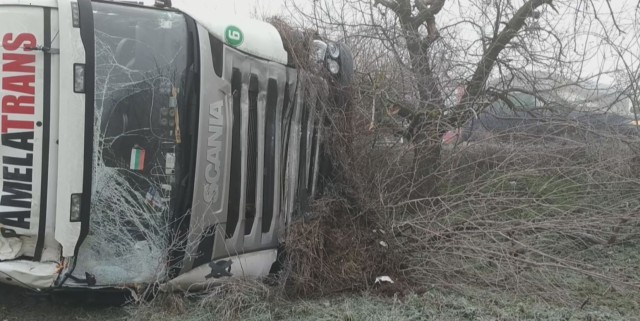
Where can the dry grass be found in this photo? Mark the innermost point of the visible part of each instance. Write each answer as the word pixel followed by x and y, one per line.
pixel 228 301
pixel 247 303
pixel 526 220
pixel 337 251
pixel 545 220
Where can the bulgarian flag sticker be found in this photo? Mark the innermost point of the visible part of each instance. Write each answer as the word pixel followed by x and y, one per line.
pixel 137 158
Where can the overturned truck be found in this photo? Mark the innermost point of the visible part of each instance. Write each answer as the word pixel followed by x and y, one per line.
pixel 155 145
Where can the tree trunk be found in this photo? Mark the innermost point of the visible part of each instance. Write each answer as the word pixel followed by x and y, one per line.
pixel 426 164
pixel 424 128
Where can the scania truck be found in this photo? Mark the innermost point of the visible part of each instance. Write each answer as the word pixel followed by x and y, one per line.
pixel 156 144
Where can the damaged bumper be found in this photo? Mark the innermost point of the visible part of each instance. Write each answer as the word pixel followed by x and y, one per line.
pixel 33 275
pixel 251 265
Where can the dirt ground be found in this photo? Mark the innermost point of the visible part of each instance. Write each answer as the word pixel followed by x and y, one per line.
pixel 17 304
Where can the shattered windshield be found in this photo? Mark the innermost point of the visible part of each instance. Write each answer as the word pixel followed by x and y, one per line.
pixel 142 58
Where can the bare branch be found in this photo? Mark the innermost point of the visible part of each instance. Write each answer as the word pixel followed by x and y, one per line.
pixel 401 8
pixel 613 16
pixel 428 11
pixel 391 4
pixel 484 67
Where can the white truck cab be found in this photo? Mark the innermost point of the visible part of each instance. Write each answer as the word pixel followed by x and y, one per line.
pixel 153 145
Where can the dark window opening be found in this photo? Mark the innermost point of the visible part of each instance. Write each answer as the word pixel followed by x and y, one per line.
pixel 235 183
pixel 252 156
pixel 268 188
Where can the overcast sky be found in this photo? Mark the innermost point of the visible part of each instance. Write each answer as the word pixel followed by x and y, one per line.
pixel 245 8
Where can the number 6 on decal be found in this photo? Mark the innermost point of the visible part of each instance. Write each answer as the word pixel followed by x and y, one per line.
pixel 233 36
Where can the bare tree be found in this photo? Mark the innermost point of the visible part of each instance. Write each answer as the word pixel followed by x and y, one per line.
pixel 415 56
pixel 501 212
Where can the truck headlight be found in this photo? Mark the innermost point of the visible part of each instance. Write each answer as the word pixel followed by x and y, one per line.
pixel 333 66
pixel 78 78
pixel 319 50
pixel 76 201
pixel 334 50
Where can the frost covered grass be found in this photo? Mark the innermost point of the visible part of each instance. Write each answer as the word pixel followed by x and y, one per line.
pixel 254 301
pixel 257 302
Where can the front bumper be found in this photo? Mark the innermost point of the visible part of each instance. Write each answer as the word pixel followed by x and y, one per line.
pixel 32 275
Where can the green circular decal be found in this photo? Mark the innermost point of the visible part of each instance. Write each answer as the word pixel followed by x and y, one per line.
pixel 233 36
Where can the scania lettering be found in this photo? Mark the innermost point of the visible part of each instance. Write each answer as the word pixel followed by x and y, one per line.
pixel 158 145
pixel 212 175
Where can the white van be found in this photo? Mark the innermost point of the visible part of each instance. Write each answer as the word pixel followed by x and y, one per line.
pixel 153 145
